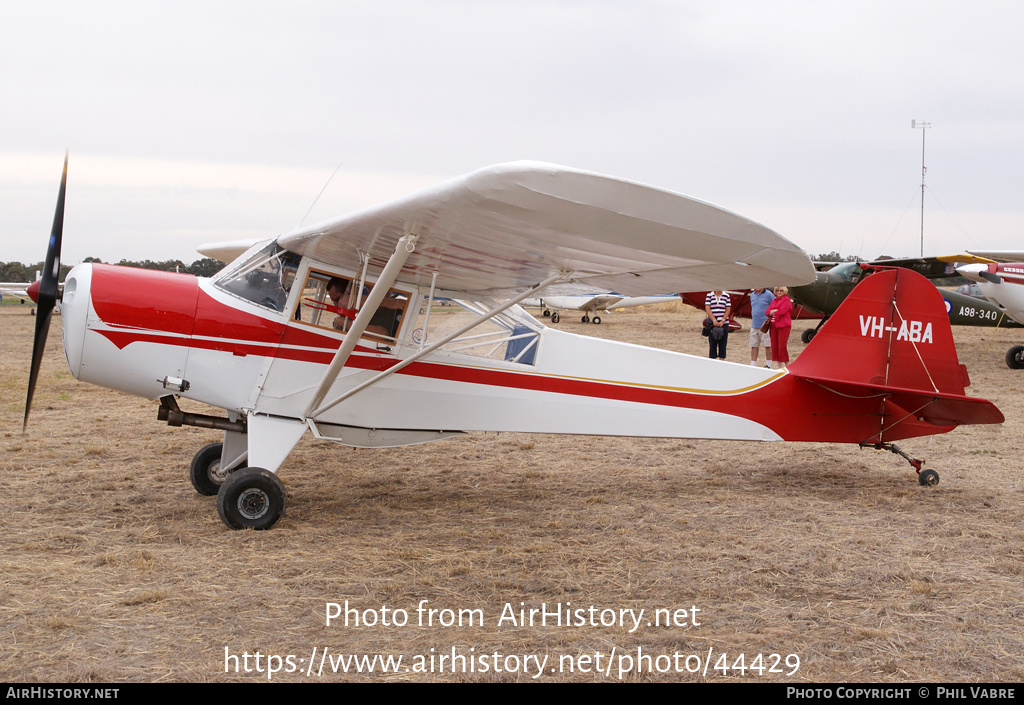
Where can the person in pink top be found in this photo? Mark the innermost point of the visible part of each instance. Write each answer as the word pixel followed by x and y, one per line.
pixel 781 325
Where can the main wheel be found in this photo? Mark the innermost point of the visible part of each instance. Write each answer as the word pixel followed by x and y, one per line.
pixel 928 478
pixel 251 498
pixel 585 319
pixel 807 336
pixel 1015 357
pixel 547 312
pixel 597 319
pixel 205 472
pixel 555 317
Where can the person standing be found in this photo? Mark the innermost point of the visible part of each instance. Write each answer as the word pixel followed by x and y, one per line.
pixel 760 299
pixel 781 324
pixel 718 307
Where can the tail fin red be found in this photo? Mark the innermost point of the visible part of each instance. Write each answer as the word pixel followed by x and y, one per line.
pixel 892 337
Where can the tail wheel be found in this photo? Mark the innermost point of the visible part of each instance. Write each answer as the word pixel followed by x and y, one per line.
pixel 928 478
pixel 251 498
pixel 205 472
pixel 1015 357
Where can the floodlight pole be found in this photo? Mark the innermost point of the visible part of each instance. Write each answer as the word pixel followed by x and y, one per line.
pixel 914 124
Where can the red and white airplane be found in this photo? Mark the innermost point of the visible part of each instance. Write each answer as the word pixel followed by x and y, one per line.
pixel 1000 277
pixel 331 330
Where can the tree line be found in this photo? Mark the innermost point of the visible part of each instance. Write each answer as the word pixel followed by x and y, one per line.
pixel 205 267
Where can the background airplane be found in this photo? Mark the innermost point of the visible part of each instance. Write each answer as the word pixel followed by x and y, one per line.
pixel 18 290
pixel 999 276
pixel 591 304
pixel 741 306
pixel 830 288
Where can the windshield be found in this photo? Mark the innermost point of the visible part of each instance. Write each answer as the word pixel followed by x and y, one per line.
pixel 264 277
pixel 849 271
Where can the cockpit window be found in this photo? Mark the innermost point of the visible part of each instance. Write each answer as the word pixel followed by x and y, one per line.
pixel 848 271
pixel 970 289
pixel 264 278
pixel 330 301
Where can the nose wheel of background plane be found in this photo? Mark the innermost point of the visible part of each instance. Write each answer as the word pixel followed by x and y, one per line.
pixel 1015 357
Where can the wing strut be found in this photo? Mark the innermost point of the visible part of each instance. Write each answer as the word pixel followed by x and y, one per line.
pixel 387 277
pixel 431 348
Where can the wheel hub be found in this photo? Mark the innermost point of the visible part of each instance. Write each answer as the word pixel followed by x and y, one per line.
pixel 253 503
pixel 215 472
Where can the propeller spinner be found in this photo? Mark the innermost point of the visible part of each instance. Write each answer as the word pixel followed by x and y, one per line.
pixel 46 293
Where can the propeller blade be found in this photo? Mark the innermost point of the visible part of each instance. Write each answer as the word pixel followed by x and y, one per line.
pixel 47 296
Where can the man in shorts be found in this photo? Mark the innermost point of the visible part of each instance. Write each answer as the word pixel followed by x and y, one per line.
pixel 760 299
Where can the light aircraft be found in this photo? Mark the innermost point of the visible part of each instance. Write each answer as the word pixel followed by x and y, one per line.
pixel 1000 277
pixel 331 330
pixel 830 288
pixel 17 290
pixel 593 303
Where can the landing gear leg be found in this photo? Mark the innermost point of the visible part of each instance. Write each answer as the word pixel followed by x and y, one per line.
pixel 927 478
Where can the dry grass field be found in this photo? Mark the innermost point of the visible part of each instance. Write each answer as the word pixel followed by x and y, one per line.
pixel 114 569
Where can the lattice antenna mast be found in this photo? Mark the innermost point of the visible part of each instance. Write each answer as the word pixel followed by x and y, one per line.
pixel 923 126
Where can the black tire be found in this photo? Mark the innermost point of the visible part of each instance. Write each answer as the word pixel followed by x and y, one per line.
pixel 547 313
pixel 555 317
pixel 251 498
pixel 928 478
pixel 585 319
pixel 597 320
pixel 1015 357
pixel 807 336
pixel 205 471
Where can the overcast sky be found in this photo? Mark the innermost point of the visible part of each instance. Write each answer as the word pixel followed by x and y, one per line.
pixel 191 122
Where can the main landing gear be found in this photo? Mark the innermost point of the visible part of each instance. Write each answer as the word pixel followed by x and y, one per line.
pixel 205 472
pixel 1015 357
pixel 586 319
pixel 927 478
pixel 251 498
pixel 808 335
pixel 247 498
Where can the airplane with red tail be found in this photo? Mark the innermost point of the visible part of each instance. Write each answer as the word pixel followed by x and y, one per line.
pixel 334 330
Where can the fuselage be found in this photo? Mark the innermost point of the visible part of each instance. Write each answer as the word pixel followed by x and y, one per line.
pixel 1006 292
pixel 154 334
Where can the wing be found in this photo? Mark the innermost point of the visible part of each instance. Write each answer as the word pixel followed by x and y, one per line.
pixel 226 252
pixel 600 303
pixel 14 289
pixel 509 226
pixel 998 255
pixel 928 267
